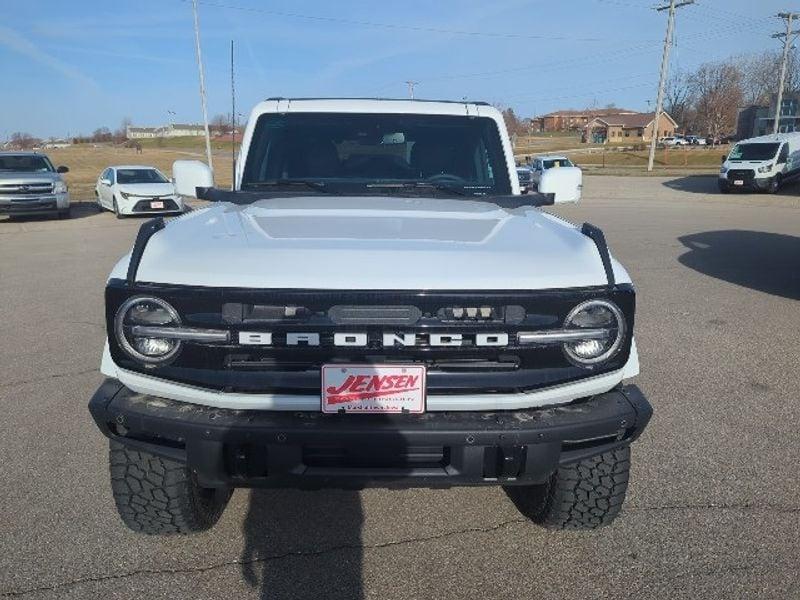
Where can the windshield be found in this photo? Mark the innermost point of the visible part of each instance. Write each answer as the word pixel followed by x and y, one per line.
pixel 26 164
pixel 756 151
pixel 140 176
pixel 549 163
pixel 372 153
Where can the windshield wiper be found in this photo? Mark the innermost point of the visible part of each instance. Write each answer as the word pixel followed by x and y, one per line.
pixel 314 185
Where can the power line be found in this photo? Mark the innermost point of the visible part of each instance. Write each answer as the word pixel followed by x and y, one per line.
pixel 397 26
pixel 673 5
pixel 788 38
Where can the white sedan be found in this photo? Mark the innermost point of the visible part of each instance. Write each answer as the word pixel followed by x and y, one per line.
pixel 136 190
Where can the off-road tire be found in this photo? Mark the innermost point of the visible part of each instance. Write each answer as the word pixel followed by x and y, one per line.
pixel 584 495
pixel 158 496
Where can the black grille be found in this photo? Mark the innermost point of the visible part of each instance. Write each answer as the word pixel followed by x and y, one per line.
pixel 741 174
pixel 280 368
pixel 144 205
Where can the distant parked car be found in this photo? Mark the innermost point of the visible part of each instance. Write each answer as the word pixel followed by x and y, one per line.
pixel 525 176
pixel 695 140
pixel 136 190
pixel 541 164
pixel 673 141
pixel 31 185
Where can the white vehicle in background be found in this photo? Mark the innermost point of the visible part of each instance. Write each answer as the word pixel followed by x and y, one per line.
pixel 674 141
pixel 761 164
pixel 136 190
pixel 694 140
pixel 561 173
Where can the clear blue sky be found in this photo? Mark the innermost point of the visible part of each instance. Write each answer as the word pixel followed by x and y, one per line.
pixel 70 67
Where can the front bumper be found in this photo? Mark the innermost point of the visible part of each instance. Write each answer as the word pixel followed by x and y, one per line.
pixel 232 448
pixel 749 184
pixel 25 205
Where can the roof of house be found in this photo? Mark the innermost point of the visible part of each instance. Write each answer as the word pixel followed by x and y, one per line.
pixel 599 112
pixel 631 120
pixel 133 128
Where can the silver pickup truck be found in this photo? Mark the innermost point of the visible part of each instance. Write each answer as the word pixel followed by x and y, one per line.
pixel 30 185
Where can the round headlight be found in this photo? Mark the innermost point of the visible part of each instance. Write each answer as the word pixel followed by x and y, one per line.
pixel 148 311
pixel 605 329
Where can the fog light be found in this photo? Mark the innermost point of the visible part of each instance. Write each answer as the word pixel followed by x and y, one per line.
pixel 153 346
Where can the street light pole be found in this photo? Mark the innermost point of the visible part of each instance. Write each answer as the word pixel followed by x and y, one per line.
pixel 788 39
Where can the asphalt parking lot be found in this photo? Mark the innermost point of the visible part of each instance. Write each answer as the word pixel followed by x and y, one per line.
pixel 712 511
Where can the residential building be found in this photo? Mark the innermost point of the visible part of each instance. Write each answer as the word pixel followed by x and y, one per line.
pixel 171 130
pixel 574 120
pixel 628 127
pixel 759 119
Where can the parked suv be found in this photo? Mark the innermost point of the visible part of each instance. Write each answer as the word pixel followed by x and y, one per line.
pixel 30 185
pixel 373 304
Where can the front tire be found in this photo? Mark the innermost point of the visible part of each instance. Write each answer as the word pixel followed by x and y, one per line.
pixel 584 495
pixel 118 214
pixel 774 185
pixel 158 496
pixel 65 213
pixel 724 187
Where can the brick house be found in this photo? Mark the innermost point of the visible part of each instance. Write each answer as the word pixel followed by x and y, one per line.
pixel 574 120
pixel 628 127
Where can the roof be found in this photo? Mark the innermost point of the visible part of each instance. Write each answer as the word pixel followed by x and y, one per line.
pixel 185 126
pixel 20 153
pixel 375 105
pixel 551 157
pixel 632 121
pixel 590 111
pixel 132 167
pixel 773 137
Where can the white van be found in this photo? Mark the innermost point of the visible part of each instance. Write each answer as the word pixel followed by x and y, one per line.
pixel 761 163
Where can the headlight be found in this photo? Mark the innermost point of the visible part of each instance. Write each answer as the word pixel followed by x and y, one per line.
pixel 146 311
pixel 59 187
pixel 605 327
pixel 765 168
pixel 125 195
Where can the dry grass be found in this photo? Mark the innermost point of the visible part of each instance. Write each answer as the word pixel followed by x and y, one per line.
pixel 86 162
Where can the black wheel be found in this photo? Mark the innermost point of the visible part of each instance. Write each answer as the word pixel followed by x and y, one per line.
pixel 97 204
pixel 65 213
pixel 116 210
pixel 158 496
pixel 585 495
pixel 724 187
pixel 774 185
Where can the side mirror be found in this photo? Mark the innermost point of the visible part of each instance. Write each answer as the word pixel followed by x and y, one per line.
pixel 724 158
pixel 565 183
pixel 105 181
pixel 62 169
pixel 189 175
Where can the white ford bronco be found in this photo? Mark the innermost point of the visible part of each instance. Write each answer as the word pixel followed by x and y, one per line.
pixel 374 304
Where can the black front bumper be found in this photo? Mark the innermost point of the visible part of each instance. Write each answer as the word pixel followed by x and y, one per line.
pixel 311 450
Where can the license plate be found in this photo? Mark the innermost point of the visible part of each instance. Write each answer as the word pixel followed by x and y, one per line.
pixel 738 182
pixel 373 389
pixel 156 204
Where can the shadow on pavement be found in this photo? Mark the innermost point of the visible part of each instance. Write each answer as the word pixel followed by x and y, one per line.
pixel 767 262
pixel 303 544
pixel 707 184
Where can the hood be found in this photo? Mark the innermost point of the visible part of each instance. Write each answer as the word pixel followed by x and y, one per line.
pixel 12 177
pixel 147 189
pixel 325 242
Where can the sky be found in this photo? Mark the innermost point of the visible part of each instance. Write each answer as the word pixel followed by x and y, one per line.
pixel 71 67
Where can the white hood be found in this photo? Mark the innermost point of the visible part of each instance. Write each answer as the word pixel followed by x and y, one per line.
pixel 147 189
pixel 325 242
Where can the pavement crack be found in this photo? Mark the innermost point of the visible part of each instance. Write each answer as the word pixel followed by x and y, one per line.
pixel 11 384
pixel 262 559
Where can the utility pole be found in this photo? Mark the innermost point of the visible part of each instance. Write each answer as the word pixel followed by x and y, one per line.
pixel 662 81
pixel 788 40
pixel 411 85
pixel 233 123
pixel 202 84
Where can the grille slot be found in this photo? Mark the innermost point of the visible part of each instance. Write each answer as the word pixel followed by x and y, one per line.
pixel 374 315
pixel 26 189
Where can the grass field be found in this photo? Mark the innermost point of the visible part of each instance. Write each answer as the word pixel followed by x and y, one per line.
pixel 86 162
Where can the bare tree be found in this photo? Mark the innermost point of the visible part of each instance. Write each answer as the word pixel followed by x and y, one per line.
pixel 679 103
pixel 24 140
pixel 220 124
pixel 121 134
pixel 717 87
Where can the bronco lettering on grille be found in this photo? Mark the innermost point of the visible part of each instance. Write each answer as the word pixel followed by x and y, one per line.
pixel 393 340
